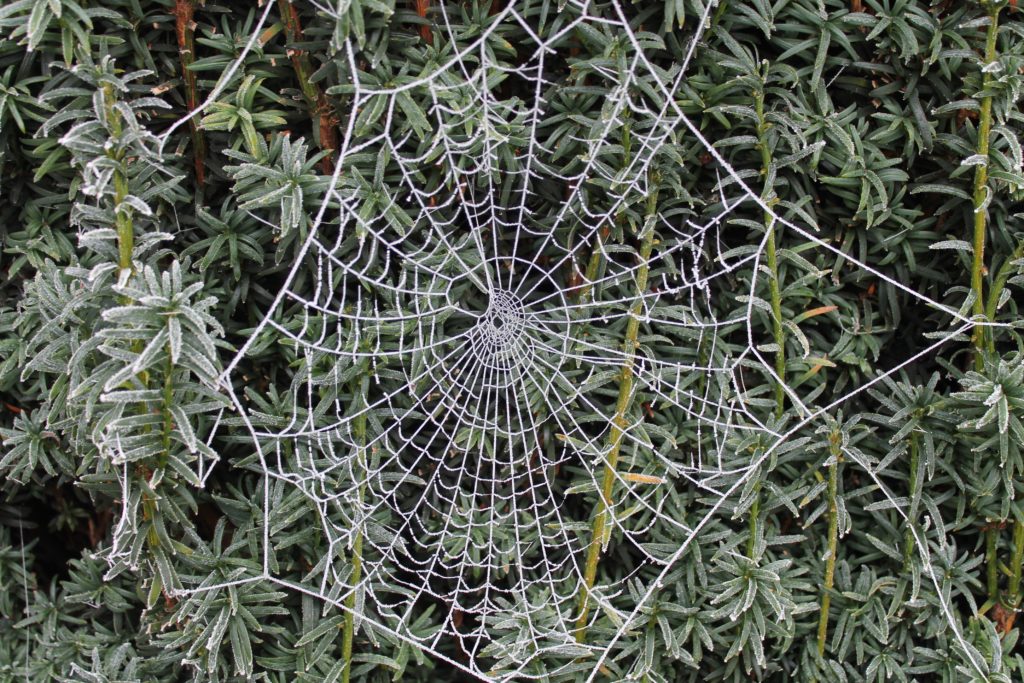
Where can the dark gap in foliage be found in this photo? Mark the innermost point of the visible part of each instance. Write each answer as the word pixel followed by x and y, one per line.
pixel 60 524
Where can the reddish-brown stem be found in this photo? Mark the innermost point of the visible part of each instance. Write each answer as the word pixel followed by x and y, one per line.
pixel 185 31
pixel 319 107
pixel 421 11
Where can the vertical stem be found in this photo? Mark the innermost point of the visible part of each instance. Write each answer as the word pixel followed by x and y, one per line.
pixel 980 336
pixel 833 538
pixel 601 529
pixel 593 265
pixel 319 106
pixel 992 561
pixel 168 401
pixel 978 271
pixel 1016 565
pixel 774 290
pixel 995 290
pixel 775 298
pixel 349 628
pixel 755 514
pixel 125 230
pixel 123 224
pixel 777 331
pixel 422 6
pixel 185 29
pixel 908 535
pixel 122 216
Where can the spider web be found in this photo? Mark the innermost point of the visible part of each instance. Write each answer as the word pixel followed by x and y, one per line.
pixel 475 372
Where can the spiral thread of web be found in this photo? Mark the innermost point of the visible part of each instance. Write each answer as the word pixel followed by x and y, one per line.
pixel 468 315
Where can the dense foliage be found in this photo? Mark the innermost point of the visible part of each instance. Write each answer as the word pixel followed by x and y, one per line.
pixel 138 252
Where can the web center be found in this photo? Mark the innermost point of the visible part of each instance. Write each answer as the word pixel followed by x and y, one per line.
pixel 503 322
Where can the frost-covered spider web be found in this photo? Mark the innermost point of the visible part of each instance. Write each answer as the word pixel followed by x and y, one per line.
pixel 477 389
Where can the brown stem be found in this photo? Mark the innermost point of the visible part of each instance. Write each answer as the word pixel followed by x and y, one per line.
pixel 319 107
pixel 421 11
pixel 185 30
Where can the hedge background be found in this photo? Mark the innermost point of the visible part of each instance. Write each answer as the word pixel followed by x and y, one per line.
pixel 890 127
